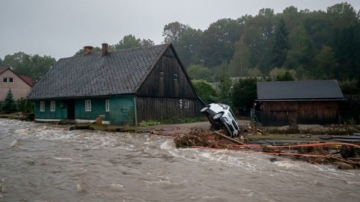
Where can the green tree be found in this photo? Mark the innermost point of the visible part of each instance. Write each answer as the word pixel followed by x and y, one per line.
pixel 244 94
pixel 34 66
pixel 282 74
pixel 349 87
pixel 81 51
pixel 280 46
pixel 224 90
pixel 240 64
pixel 254 72
pixel 205 91
pixel 285 77
pixel 147 42
pixel 218 42
pixel 185 39
pixel 25 106
pixel 199 72
pixel 128 41
pixel 9 105
pixel 326 64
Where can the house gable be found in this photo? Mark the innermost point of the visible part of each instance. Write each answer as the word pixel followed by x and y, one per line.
pixel 20 88
pixel 168 78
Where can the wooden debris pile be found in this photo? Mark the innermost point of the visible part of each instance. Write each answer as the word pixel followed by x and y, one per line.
pixel 342 155
pixel 200 138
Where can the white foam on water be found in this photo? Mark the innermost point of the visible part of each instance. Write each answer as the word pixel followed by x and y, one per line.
pixel 63 159
pixel 286 164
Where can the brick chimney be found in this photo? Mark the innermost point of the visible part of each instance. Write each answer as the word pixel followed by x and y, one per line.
pixel 88 50
pixel 104 49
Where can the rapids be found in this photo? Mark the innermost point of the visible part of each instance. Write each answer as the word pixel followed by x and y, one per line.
pixel 45 162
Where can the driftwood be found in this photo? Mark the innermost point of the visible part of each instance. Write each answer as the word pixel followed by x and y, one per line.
pixel 340 154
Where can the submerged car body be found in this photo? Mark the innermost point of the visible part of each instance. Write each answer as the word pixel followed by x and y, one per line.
pixel 221 116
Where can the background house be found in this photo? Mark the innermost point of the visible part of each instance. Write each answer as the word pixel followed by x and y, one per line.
pixel 20 85
pixel 126 86
pixel 301 102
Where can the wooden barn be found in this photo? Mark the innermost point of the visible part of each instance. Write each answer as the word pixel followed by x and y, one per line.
pixel 300 102
pixel 124 86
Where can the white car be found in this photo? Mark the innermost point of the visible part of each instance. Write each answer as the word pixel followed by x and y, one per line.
pixel 221 116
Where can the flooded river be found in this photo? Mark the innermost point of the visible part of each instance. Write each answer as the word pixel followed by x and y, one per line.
pixel 42 162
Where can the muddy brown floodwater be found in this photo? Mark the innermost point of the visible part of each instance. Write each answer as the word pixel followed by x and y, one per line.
pixel 42 162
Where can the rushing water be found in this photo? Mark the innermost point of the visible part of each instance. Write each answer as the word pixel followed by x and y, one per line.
pixel 43 162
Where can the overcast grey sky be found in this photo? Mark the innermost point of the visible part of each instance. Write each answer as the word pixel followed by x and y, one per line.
pixel 60 28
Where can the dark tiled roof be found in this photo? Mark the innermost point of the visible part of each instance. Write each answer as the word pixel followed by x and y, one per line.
pixel 298 90
pixel 2 69
pixel 26 79
pixel 119 72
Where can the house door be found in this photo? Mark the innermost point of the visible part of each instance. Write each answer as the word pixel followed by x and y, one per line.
pixel 70 109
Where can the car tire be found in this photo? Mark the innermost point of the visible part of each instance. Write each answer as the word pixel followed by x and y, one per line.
pixel 203 110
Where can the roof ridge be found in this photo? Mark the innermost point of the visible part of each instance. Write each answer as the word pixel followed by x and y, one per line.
pixel 124 49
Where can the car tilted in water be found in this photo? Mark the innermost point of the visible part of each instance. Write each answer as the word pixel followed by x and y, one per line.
pixel 221 116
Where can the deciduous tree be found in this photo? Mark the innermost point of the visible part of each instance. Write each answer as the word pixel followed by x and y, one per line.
pixel 280 46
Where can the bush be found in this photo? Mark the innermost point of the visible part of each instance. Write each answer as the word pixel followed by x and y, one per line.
pixel 25 107
pixel 205 91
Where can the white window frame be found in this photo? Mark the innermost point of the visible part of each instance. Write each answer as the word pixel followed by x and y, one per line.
pixel 180 104
pixel 88 105
pixel 186 104
pixel 52 106
pixel 42 106
pixel 107 105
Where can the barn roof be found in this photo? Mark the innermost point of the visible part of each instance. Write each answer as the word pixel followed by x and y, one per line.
pixel 299 90
pixel 119 72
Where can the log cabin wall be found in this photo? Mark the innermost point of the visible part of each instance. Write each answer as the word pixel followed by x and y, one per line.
pixel 300 112
pixel 167 79
pixel 167 92
pixel 149 108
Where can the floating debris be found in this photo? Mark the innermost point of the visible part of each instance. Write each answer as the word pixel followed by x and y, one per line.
pixel 340 154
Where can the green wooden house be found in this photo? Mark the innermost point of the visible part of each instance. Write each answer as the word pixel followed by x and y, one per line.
pixel 123 86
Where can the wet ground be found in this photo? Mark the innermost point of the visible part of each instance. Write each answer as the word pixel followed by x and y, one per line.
pixel 43 162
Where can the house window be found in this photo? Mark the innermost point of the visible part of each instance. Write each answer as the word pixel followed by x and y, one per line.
pixel 107 105
pixel 175 76
pixel 5 80
pixel 88 105
pixel 11 80
pixel 42 106
pixel 52 106
pixel 180 104
pixel 186 104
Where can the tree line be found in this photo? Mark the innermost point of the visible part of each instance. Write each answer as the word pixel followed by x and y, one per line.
pixel 302 44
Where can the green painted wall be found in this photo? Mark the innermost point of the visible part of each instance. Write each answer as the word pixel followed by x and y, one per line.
pixel 59 113
pixel 97 108
pixel 121 110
